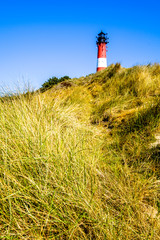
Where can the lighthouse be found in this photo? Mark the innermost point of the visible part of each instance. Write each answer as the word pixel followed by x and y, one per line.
pixel 102 41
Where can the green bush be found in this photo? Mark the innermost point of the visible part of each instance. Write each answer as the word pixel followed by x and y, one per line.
pixel 51 82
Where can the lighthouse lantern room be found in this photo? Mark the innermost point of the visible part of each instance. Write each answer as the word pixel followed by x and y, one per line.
pixel 102 41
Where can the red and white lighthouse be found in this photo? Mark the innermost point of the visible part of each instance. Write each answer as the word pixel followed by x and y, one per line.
pixel 102 41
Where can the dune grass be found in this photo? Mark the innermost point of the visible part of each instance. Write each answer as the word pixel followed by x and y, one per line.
pixel 76 162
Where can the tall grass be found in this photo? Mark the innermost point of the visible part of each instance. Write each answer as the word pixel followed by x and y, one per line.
pixel 62 177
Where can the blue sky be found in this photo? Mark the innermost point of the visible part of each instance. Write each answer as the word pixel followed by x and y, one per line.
pixel 41 39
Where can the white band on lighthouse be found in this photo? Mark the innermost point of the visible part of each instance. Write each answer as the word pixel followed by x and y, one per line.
pixel 102 62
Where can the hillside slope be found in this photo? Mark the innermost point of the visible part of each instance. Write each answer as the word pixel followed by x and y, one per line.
pixel 81 160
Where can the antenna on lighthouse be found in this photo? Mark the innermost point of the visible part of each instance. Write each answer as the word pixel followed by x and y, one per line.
pixel 102 41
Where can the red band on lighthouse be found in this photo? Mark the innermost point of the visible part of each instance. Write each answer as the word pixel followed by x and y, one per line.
pixel 101 57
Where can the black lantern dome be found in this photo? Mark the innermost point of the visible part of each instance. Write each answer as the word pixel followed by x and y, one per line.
pixel 102 38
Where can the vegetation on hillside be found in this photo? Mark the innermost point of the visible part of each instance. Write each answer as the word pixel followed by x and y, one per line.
pixel 81 160
pixel 51 82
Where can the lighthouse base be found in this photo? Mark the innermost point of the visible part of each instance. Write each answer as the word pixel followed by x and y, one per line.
pixel 101 63
pixel 100 68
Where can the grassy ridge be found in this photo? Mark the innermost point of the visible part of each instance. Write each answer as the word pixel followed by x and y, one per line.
pixel 77 162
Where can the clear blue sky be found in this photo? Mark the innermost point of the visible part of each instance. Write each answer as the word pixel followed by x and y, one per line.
pixel 41 39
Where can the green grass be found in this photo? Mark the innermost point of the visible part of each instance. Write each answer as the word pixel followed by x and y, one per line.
pixel 76 162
